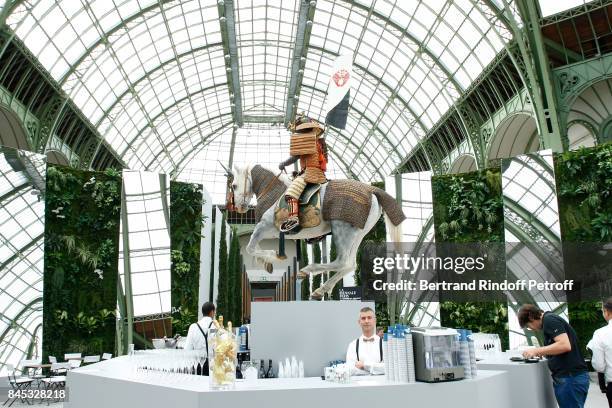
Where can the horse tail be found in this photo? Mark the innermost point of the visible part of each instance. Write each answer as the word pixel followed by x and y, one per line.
pixel 394 232
pixel 393 214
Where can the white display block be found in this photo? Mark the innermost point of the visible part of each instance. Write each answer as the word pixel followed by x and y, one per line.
pixel 112 384
pixel 531 382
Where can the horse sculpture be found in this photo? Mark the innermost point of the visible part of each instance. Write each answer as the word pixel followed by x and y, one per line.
pixel 250 181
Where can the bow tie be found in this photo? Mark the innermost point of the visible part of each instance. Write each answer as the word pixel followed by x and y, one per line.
pixel 370 339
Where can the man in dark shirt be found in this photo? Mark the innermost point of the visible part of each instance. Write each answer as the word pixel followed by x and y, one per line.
pixel 568 368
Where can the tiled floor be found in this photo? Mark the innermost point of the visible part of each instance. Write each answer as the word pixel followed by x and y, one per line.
pixel 36 403
pixel 595 399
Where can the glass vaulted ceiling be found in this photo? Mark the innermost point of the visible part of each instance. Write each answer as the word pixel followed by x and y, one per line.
pixel 151 75
pixel 21 256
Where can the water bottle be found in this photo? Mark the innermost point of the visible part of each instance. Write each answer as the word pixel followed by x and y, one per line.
pixel 281 370
pixel 295 369
pixel 287 368
pixel 242 335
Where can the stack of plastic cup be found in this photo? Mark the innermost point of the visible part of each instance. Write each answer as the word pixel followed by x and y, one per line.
pixel 391 355
pixel 397 343
pixel 402 355
pixel 409 354
pixel 464 353
pixel 386 357
pixel 472 350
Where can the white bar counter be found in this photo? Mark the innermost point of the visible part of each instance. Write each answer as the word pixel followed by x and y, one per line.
pixel 530 383
pixel 113 384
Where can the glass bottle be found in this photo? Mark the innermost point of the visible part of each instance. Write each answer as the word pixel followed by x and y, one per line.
pixel 262 369
pixel 239 368
pixel 270 372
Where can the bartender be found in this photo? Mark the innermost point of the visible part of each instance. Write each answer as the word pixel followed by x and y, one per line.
pixel 197 336
pixel 364 354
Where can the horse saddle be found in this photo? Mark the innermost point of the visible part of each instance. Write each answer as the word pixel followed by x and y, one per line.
pixel 309 210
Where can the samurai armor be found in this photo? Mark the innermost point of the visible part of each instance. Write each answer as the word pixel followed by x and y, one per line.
pixel 296 188
pixel 303 144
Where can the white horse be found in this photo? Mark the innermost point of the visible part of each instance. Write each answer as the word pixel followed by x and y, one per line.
pixel 346 237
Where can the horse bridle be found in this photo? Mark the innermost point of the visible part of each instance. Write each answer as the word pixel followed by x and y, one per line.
pixel 230 205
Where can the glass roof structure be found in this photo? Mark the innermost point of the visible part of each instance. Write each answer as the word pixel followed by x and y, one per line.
pixel 550 7
pixel 166 81
pixel 149 243
pixel 417 205
pixel 21 256
pixel 531 219
pixel 529 186
pixel 254 143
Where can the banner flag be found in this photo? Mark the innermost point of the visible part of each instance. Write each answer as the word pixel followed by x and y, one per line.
pixel 338 92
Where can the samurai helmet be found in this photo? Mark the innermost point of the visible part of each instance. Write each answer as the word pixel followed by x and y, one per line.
pixel 303 124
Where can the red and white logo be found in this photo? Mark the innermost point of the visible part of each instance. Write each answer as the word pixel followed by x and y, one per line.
pixel 341 77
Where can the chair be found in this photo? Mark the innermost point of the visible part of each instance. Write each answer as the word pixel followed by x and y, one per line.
pixel 74 363
pixel 107 356
pixel 91 359
pixel 59 369
pixel 35 373
pixel 25 366
pixel 72 356
pixel 18 384
pixel 56 383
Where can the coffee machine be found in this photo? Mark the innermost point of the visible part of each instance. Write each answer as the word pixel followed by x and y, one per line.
pixel 436 354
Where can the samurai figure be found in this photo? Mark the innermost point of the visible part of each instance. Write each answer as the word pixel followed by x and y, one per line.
pixel 308 146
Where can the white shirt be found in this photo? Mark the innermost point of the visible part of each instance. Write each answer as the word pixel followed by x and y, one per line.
pixel 369 353
pixel 601 346
pixel 195 339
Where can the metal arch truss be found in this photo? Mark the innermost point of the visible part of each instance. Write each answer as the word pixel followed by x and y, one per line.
pixel 29 308
pixel 227 21
pixel 527 53
pixel 51 113
pixel 300 52
pixel 531 61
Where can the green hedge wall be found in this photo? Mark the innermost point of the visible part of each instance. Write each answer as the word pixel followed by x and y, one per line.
pixel 234 275
pixel 222 285
pixel 304 294
pixel 185 237
pixel 584 189
pixel 468 208
pixel 81 255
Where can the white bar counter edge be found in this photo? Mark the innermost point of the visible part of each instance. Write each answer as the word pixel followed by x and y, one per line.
pixel 113 384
